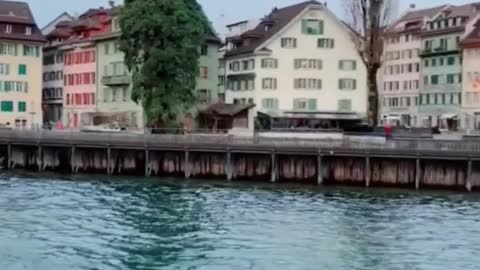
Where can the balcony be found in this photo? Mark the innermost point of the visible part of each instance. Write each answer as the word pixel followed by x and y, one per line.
pixel 115 80
pixel 439 51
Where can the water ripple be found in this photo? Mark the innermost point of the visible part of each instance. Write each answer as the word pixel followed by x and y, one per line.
pixel 50 223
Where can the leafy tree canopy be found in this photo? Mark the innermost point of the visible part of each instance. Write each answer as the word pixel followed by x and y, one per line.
pixel 161 40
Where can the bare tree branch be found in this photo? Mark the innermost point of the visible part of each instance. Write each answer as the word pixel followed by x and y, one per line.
pixel 370 19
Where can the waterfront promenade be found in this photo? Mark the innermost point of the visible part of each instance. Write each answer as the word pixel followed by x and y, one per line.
pixel 350 161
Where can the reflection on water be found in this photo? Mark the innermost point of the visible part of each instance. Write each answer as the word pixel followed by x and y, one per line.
pixel 48 223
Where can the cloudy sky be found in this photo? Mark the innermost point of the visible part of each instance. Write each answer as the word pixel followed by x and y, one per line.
pixel 220 12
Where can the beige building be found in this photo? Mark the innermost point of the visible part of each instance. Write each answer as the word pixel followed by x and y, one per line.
pixel 300 62
pixel 20 67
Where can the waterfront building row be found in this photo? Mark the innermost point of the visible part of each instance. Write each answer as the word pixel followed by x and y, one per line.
pixel 430 68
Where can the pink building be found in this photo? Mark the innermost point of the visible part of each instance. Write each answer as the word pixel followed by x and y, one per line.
pixel 80 67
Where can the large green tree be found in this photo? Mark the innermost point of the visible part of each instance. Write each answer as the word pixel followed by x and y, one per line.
pixel 161 41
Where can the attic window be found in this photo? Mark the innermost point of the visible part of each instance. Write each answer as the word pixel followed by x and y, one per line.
pixel 28 30
pixel 267 27
pixel 8 28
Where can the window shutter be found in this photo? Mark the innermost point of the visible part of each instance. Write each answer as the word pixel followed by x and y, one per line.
pixel 304 27
pixel 312 104
pixel 276 63
pixel 320 27
pixel 340 64
pixel 354 65
pixel 332 43
pixel 354 83
pixel 340 84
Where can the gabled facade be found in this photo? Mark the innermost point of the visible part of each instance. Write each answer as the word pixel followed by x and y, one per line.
pixel 440 96
pixel 80 71
pixel 298 61
pixel 400 75
pixel 20 67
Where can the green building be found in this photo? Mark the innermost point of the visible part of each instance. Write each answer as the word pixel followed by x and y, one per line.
pixel 440 95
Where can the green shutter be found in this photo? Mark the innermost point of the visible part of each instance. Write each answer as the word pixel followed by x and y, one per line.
pixel 22 106
pixel 7 106
pixel 340 84
pixel 354 66
pixel 22 69
pixel 340 64
pixel 333 43
pixel 312 104
pixel 354 84
pixel 320 27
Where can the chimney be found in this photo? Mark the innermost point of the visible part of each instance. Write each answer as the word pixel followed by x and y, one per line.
pixel 413 6
pixel 111 3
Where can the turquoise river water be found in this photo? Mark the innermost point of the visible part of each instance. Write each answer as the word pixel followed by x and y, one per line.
pixel 47 222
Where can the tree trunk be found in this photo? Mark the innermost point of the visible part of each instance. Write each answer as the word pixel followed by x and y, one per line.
pixel 372 95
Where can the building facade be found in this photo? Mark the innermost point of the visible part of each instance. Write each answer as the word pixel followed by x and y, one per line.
pixel 80 67
pixel 471 80
pixel 298 61
pixel 208 80
pixel 20 67
pixel 440 95
pixel 53 64
pixel 114 86
pixel 400 75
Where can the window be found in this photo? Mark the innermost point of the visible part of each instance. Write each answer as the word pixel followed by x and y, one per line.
pixel 22 106
pixel 289 43
pixel 22 69
pixel 269 83
pixel 203 72
pixel 270 103
pixel 248 64
pixel 28 30
pixel 7 106
pixel 8 28
pixel 350 84
pixel 426 63
pixel 106 91
pixel 434 79
pixel 312 27
pixel 114 95
pixel 221 80
pixel 326 43
pixel 450 78
pixel 235 66
pixel 344 105
pixel 204 96
pixel 347 64
pixel 204 50
pixel 269 63
pixel 106 48
pixel 451 61
pixel 8 49
pixel 308 64
pixel 68 99
pixel 309 84
pixel 305 104
pixel 4 69
pixel 434 62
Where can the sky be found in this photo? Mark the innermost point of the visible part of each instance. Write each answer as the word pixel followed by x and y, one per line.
pixel 220 12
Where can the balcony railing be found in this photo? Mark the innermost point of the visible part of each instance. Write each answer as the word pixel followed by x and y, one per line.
pixel 116 80
pixel 438 51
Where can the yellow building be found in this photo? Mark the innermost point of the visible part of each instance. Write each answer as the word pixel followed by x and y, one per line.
pixel 20 67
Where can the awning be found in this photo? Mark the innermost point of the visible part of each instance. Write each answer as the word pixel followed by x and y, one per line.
pixel 314 115
pixel 449 116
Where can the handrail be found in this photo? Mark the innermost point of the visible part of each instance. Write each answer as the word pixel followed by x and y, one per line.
pixel 220 140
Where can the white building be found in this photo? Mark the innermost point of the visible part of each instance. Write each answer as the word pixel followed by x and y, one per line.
pixel 400 76
pixel 300 62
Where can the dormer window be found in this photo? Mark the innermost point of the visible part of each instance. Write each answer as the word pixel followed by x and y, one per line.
pixel 267 27
pixel 28 30
pixel 8 28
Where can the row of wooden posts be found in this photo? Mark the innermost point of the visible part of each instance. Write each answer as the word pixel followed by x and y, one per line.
pixel 322 169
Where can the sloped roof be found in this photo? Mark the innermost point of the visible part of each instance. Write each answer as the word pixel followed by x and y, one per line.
pixel 19 13
pixel 473 38
pixel 15 12
pixel 277 20
pixel 417 15
pixel 227 109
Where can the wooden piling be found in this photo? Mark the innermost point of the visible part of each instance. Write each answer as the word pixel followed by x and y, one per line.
pixel 40 159
pixel 229 166
pixel 187 166
pixel 9 156
pixel 468 177
pixel 147 163
pixel 319 170
pixel 368 171
pixel 274 168
pixel 418 174
pixel 72 159
pixel 109 156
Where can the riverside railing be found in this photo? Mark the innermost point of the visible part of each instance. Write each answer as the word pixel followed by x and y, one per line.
pixel 229 141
